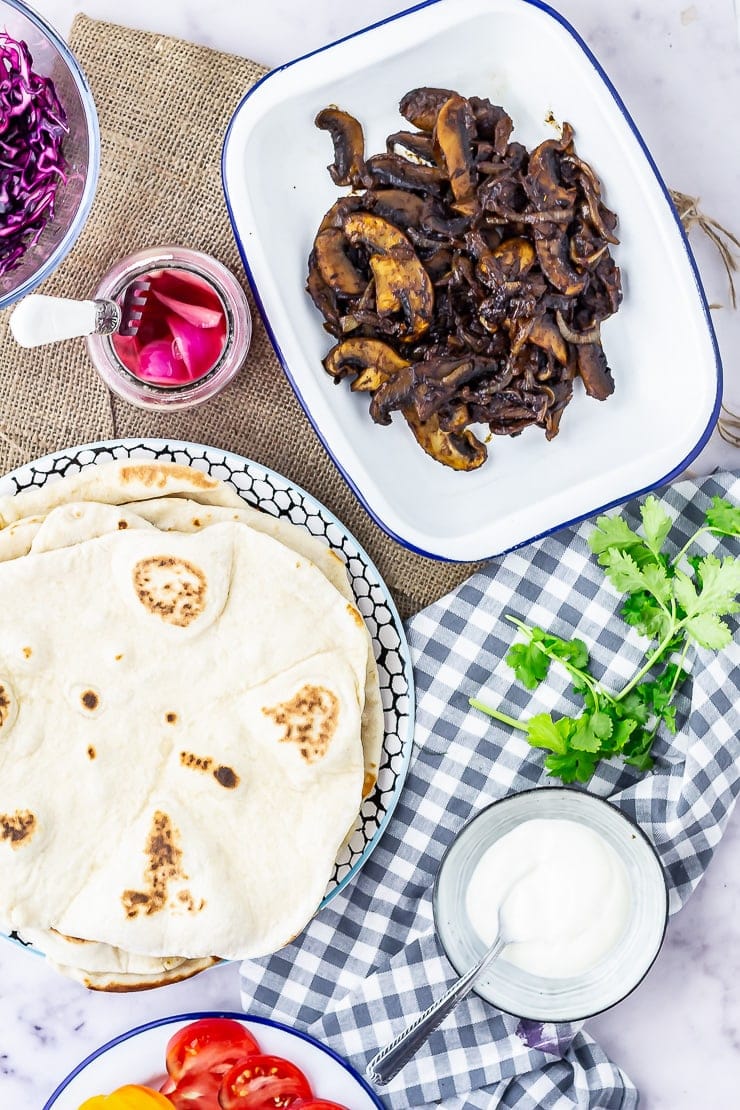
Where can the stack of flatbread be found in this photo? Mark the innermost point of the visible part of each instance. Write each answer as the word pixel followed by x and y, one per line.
pixel 189 721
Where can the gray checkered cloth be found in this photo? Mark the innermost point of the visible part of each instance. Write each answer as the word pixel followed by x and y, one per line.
pixel 370 962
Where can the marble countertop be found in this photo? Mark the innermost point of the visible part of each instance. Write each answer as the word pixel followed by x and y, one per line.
pixel 677 66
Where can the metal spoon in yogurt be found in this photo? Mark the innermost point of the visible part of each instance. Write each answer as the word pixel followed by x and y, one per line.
pixel 389 1061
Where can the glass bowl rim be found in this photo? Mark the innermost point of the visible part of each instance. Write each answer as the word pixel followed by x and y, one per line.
pixel 72 233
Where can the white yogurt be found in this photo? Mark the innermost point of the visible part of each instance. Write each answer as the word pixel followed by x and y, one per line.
pixel 566 893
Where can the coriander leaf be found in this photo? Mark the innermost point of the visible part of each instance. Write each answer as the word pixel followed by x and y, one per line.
pixel 633 706
pixel 656 582
pixel 720 584
pixel 529 663
pixel 709 631
pixel 543 732
pixel 724 517
pixel 623 572
pixel 612 533
pixel 656 523
pixel 591 729
pixel 572 651
pixel 580 686
pixel 644 614
pixel 685 593
pixel 576 766
pixel 672 676
pixel 643 761
pixel 658 694
pixel 621 733
pixel 694 562
pixel 636 751
pixel 668 717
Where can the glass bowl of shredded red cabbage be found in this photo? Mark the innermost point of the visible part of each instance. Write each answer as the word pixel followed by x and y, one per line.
pixel 49 150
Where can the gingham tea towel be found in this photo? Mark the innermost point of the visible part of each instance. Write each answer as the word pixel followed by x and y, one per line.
pixel 370 961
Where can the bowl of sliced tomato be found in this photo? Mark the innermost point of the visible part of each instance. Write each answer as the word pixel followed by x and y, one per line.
pixel 214 1061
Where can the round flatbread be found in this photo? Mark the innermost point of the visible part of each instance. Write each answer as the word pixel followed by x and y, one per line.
pixel 191 742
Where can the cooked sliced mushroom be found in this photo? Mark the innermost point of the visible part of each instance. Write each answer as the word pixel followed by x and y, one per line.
pixel 373 361
pixel 594 372
pixel 347 136
pixel 397 205
pixel 339 211
pixel 377 234
pixel 506 263
pixel 412 143
pixel 551 244
pixel 453 140
pixel 401 282
pixel 322 296
pixel 460 451
pixel 479 283
pixel 543 182
pixel 400 173
pixel 335 267
pixel 421 106
pixel 492 123
pixel 546 334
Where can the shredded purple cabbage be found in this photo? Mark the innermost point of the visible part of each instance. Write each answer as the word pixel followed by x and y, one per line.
pixel 32 129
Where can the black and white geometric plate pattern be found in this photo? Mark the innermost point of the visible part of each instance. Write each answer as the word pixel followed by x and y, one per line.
pixel 263 489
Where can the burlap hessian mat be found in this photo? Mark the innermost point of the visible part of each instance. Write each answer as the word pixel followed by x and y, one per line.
pixel 164 106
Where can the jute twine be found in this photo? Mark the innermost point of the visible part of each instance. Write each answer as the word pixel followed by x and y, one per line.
pixel 163 106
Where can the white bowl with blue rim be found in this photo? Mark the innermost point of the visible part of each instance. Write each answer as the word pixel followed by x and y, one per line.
pixel 138 1056
pixel 660 345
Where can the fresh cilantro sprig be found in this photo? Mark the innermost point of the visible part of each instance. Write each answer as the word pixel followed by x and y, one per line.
pixel 675 602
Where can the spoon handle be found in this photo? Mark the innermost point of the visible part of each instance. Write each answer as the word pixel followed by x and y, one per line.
pixel 389 1061
pixel 40 319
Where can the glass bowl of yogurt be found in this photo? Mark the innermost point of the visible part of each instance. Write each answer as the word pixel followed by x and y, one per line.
pixel 580 890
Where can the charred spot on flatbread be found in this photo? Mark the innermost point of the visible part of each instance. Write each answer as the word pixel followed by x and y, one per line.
pixel 172 589
pixel 122 525
pixel 196 762
pixel 164 867
pixel 309 719
pixel 156 474
pixel 368 783
pixel 226 777
pixel 17 827
pixel 89 700
pixel 7 705
pixel 27 652
pixel 171 718
pixel 186 899
pixel 91 753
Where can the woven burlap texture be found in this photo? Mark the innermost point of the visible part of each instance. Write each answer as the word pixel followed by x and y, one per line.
pixel 164 106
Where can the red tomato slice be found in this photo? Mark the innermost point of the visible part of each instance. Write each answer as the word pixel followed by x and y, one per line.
pixel 319 1104
pixel 263 1083
pixel 211 1044
pixel 197 1090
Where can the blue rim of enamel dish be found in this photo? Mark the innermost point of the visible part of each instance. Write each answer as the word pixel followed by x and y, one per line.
pixel 238 462
pixel 48 1105
pixel 673 473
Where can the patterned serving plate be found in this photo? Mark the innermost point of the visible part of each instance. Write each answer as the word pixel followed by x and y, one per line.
pixel 268 491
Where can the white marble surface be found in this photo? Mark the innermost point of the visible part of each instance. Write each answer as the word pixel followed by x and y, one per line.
pixel 677 65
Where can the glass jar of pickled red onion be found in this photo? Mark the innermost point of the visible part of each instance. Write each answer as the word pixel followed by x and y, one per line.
pixel 192 337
